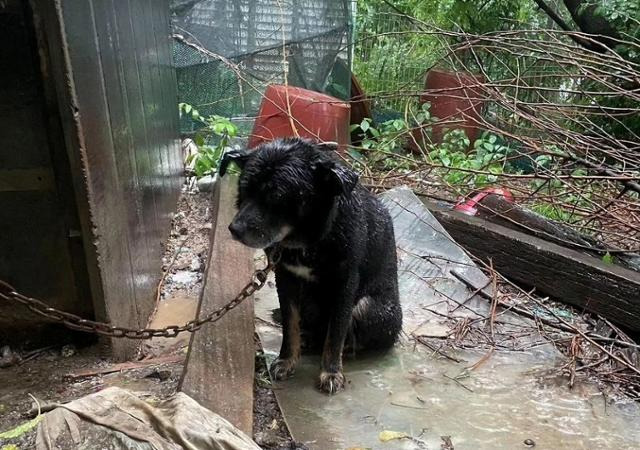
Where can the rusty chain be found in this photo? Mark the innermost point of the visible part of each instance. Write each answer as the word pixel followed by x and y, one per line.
pixel 74 322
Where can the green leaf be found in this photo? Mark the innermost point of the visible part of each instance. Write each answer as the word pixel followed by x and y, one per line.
pixel 364 125
pixel 607 258
pixel 21 429
pixel 355 154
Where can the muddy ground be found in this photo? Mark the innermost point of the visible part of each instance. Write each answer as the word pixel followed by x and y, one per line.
pixel 42 377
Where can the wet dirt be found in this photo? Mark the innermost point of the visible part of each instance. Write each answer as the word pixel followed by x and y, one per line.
pixel 270 430
pixel 46 380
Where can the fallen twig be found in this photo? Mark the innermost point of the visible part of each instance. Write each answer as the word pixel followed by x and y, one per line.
pixel 121 367
pixel 458 382
pixel 436 350
pixel 514 308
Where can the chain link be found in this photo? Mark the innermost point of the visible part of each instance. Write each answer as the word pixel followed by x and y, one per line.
pixel 74 322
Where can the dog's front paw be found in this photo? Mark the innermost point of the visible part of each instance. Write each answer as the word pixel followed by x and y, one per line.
pixel 281 369
pixel 331 382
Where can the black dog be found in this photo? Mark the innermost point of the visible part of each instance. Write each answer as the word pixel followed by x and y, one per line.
pixel 337 276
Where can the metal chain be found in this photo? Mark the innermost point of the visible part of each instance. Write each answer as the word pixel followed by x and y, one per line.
pixel 258 280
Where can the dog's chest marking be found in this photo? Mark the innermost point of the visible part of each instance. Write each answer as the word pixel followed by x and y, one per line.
pixel 304 272
pixel 299 263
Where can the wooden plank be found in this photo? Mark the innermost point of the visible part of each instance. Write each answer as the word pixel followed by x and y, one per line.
pixel 36 179
pixel 115 129
pixel 220 363
pixel 564 274
pixel 108 207
pixel 121 367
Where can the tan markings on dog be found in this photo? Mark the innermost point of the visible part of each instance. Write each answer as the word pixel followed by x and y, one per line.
pixel 361 308
pixel 283 233
pixel 284 368
pixel 327 354
pixel 294 326
pixel 304 272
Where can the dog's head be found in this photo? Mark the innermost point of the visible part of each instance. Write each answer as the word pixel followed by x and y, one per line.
pixel 287 192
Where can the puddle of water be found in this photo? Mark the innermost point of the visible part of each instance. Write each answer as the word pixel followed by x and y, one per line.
pixel 510 398
pixel 177 309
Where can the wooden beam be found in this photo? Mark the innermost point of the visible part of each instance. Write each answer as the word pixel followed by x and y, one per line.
pixel 37 179
pixel 565 274
pixel 220 368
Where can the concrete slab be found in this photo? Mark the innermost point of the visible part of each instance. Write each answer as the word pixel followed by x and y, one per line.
pixel 512 397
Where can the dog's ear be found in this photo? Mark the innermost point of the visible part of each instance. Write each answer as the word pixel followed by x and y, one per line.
pixel 339 179
pixel 239 157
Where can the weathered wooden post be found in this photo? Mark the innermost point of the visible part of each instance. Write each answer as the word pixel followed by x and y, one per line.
pixel 219 369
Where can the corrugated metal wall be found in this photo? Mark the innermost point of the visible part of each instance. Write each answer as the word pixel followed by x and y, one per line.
pixel 108 66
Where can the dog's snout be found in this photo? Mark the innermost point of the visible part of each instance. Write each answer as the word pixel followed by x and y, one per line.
pixel 236 230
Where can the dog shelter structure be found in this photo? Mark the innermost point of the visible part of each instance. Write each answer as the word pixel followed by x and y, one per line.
pixel 90 166
pixel 258 42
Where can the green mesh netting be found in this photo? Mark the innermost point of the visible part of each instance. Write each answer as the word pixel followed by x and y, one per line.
pixel 309 38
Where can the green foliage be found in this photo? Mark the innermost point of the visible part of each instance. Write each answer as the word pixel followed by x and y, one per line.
pixel 469 15
pixel 397 41
pixel 487 155
pixel 551 211
pixel 608 259
pixel 624 17
pixel 467 169
pixel 380 142
pixel 384 148
pixel 388 139
pixel 212 140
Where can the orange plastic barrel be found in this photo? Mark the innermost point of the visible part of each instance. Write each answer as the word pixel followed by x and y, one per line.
pixel 455 98
pixel 314 115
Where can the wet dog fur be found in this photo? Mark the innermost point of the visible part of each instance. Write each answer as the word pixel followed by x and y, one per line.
pixel 337 276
